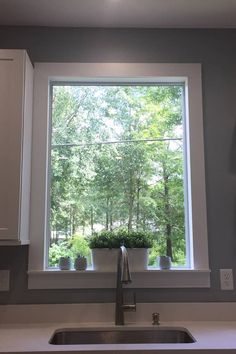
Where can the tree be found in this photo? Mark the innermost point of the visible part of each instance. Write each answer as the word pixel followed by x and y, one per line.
pixel 117 161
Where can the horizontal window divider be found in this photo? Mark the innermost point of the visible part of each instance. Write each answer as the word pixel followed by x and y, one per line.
pixel 92 279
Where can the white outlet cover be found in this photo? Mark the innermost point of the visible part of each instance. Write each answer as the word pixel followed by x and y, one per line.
pixel 226 279
pixel 4 280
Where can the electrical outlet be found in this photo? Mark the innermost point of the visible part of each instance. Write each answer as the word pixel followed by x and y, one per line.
pixel 4 280
pixel 226 279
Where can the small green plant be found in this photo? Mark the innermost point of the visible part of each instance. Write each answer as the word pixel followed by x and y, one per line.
pixel 76 245
pixel 56 251
pixel 113 239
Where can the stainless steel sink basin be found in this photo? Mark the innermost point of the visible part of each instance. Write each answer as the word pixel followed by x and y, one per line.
pixel 121 336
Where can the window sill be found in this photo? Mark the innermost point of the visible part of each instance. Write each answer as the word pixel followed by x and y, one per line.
pixel 90 279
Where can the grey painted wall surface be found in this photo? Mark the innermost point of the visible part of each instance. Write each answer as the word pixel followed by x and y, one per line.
pixel 216 50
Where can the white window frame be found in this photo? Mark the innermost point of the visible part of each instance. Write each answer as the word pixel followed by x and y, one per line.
pixel 198 274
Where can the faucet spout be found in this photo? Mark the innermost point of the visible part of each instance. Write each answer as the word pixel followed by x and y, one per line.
pixel 124 265
pixel 123 277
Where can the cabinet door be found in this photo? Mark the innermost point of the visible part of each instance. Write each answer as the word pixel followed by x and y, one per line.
pixel 11 91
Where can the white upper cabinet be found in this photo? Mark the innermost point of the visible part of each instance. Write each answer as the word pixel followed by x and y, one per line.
pixel 16 90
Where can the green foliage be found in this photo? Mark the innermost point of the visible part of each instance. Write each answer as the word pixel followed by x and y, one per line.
pixel 154 253
pixel 136 239
pixel 135 183
pixel 104 239
pixel 76 245
pixel 112 239
pixel 56 251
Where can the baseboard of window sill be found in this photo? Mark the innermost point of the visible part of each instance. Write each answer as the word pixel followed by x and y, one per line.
pixel 90 279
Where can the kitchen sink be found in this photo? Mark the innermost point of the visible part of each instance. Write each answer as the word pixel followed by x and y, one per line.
pixel 121 336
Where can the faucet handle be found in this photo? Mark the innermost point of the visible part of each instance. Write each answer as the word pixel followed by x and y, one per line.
pixel 130 307
pixel 134 297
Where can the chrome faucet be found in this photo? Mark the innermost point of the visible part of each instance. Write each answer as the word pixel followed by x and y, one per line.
pixel 123 277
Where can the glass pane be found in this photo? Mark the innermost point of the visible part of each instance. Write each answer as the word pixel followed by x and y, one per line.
pixel 117 162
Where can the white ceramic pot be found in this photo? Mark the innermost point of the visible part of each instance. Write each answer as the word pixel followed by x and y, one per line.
pixel 80 263
pixel 64 263
pixel 164 262
pixel 138 259
pixel 105 259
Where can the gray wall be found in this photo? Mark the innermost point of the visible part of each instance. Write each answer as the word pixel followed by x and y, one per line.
pixel 216 50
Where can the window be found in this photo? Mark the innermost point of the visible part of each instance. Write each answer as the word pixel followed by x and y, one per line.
pixel 117 164
pixel 105 119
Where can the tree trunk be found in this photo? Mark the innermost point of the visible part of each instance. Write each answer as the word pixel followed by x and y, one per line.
pixel 107 213
pixel 91 220
pixel 110 215
pixel 167 212
pixel 131 201
pixel 73 221
pixel 70 226
pixel 130 220
pixel 168 242
pixel 83 225
pixel 138 205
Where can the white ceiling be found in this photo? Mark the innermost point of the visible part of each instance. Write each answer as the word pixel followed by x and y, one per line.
pixel 120 13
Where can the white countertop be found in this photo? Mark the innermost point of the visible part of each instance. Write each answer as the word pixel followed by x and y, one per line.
pixel 32 338
pixel 28 328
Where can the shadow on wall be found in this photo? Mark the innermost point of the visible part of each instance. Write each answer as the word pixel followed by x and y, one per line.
pixel 232 170
pixel 232 155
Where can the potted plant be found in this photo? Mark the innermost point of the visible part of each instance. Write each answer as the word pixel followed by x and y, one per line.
pixel 105 247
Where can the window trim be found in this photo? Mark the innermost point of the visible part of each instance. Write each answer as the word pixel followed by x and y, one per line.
pixel 145 72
